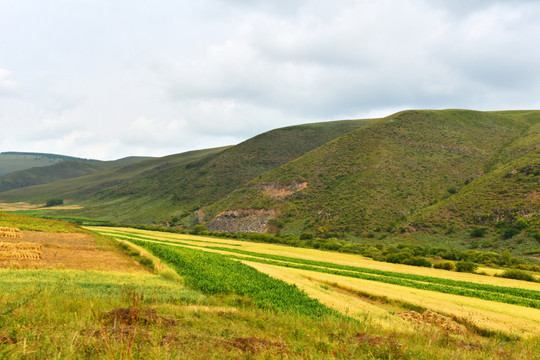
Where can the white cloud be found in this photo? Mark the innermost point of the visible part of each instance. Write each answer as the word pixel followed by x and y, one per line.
pixel 7 87
pixel 112 79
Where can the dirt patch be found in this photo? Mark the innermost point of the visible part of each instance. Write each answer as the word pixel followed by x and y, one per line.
pixel 133 315
pixel 70 251
pixel 255 345
pixel 242 220
pixel 432 318
pixel 277 191
pixel 381 347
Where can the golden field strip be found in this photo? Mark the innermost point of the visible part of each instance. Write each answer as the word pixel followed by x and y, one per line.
pixel 350 295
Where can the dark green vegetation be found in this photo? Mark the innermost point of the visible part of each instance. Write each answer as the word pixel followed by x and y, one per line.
pixel 401 253
pixel 215 274
pixel 54 202
pixel 214 266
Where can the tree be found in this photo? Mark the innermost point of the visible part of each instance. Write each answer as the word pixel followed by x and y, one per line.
pixel 54 202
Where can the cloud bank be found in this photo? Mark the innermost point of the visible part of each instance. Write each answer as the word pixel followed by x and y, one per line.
pixel 107 79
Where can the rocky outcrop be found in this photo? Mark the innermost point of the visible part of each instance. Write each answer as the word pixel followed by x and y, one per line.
pixel 242 220
pixel 277 191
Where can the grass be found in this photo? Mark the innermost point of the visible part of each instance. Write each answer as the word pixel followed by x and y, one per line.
pixel 510 295
pixel 37 224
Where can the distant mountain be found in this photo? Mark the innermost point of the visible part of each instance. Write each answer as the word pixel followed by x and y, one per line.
pixel 64 169
pixel 111 174
pixel 11 161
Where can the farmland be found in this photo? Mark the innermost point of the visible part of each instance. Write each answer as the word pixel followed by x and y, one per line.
pixel 483 304
pixel 198 297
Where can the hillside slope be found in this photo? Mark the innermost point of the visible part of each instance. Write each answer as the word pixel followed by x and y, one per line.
pixel 79 187
pixel 172 192
pixel 505 201
pixel 375 179
pixel 14 161
pixel 65 169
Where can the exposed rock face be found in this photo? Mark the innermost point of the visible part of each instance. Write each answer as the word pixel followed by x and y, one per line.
pixel 242 220
pixel 277 191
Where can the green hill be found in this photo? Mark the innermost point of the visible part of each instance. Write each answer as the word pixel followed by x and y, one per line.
pixel 465 177
pixel 174 193
pixel 377 179
pixel 504 203
pixel 65 169
pixel 15 161
pixel 171 192
pixel 80 187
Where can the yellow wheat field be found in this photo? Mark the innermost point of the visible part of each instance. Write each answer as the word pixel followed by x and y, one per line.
pixel 511 319
pixel 20 251
pixel 10 233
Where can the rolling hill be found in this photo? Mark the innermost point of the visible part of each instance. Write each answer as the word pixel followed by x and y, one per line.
pixel 174 191
pixel 77 188
pixel 11 161
pixel 446 166
pixel 65 169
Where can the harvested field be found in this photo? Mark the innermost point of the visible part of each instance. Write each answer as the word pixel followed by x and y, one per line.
pixel 65 251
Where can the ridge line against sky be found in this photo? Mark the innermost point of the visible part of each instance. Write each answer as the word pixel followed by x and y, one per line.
pixel 109 79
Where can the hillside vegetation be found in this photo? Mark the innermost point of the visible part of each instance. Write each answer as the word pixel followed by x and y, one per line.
pixel 460 178
pixel 77 188
pixel 454 166
pixel 172 191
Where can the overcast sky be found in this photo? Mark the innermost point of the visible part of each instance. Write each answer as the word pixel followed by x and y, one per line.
pixel 111 78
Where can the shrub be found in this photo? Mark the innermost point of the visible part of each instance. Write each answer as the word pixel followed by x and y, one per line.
pixel 517 274
pixel 54 202
pixel 199 230
pixel 418 261
pixel 466 266
pixel 510 233
pixel 478 232
pixel 445 265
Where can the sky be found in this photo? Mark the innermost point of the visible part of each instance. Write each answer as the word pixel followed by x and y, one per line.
pixel 105 79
